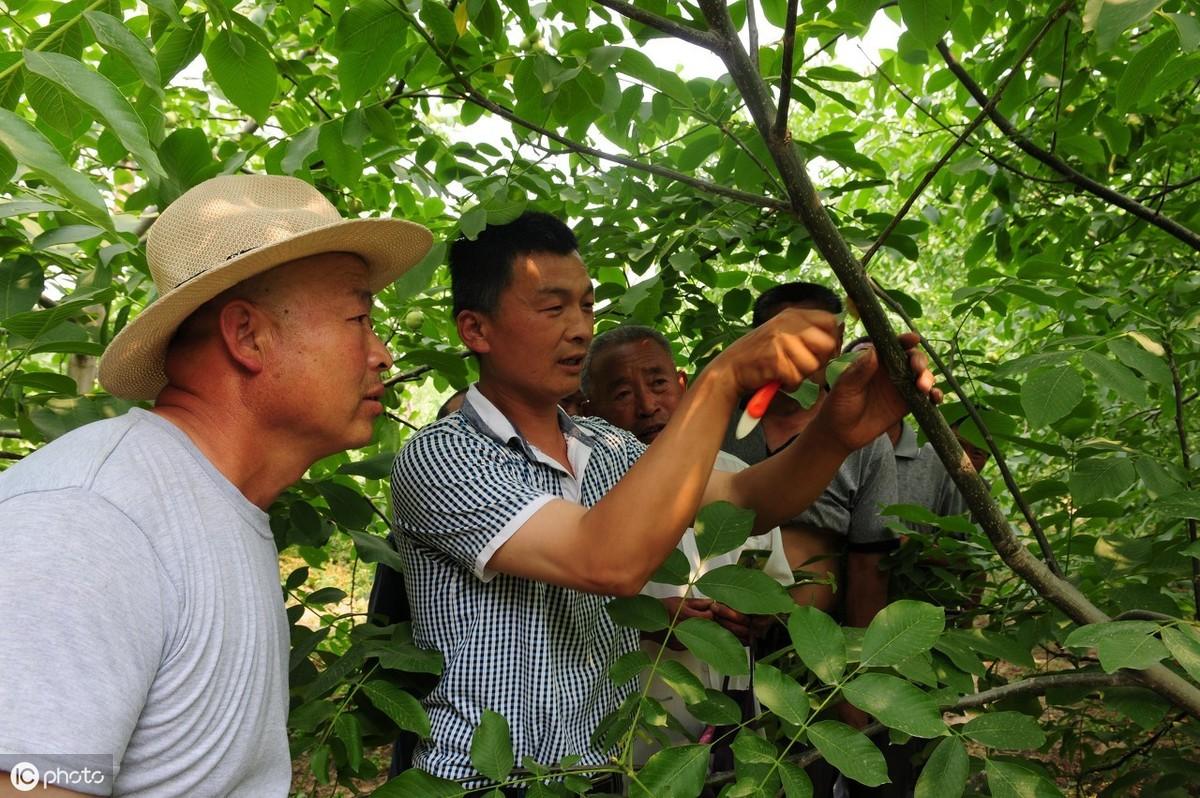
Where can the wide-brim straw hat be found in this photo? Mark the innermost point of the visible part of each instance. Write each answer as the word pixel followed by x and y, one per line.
pixel 226 230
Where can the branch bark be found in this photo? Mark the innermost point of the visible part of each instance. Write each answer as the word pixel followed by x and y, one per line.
pixel 700 38
pixel 1122 201
pixel 1186 455
pixel 806 205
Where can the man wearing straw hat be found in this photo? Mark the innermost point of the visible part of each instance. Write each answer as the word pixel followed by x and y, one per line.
pixel 139 585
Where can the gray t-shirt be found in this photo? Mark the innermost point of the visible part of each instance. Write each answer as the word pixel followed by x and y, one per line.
pixel 141 616
pixel 921 478
pixel 865 483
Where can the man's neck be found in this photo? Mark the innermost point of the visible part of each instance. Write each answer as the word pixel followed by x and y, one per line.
pixel 536 420
pixel 259 468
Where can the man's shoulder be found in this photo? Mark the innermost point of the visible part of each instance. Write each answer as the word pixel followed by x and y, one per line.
pixel 608 435
pixel 72 461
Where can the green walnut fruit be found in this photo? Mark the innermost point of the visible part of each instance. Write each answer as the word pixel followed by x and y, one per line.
pixel 414 319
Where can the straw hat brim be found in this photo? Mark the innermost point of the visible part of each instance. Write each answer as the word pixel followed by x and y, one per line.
pixel 133 364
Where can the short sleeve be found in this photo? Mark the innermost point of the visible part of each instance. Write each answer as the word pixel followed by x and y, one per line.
pixel 876 490
pixel 82 595
pixel 461 495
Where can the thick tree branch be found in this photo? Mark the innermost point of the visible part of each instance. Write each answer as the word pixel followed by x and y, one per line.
pixel 806 204
pixel 700 38
pixel 1122 201
pixel 1186 458
pixel 988 108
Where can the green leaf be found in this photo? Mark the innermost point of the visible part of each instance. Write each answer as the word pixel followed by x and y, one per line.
pixel 679 678
pixel 47 381
pixel 349 508
pixel 440 21
pixel 416 782
pixel 896 704
pixel 1188 29
pixel 368 36
pixel 1098 478
pixel 33 324
pixel 112 34
pixel 721 527
pixel 34 151
pixel 780 693
pixel 901 630
pixel 746 590
pixel 850 751
pixel 1091 635
pixel 672 771
pixel 927 20
pixel 1183 504
pixel 21 284
pixel 1137 357
pixel 644 613
pixel 1115 376
pixel 716 708
pixel 399 705
pixel 472 222
pixel 1184 645
pixel 343 162
pixel 1110 18
pixel 372 548
pixel 675 570
pixel 714 644
pixel 1049 394
pixel 491 747
pixel 1008 730
pixel 819 642
pixel 245 71
pixel 1135 652
pixel 698 148
pixel 179 46
pixel 627 666
pixel 1019 780
pixel 945 774
pixel 796 783
pixel 1147 62
pixel 349 731
pixel 326 595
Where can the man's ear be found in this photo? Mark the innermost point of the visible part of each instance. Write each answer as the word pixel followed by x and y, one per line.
pixel 473 330
pixel 243 327
pixel 681 375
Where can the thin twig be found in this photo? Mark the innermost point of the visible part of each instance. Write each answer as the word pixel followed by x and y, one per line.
pixel 470 94
pixel 987 108
pixel 785 71
pixel 1186 458
pixel 1113 197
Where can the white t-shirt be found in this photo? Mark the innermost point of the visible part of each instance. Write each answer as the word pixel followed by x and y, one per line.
pixel 142 617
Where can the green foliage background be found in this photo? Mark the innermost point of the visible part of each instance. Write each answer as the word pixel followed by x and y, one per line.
pixel 1070 319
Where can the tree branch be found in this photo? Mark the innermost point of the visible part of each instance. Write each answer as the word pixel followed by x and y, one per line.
pixel 700 38
pixel 1033 686
pixel 1122 201
pixel 1186 457
pixel 785 71
pixel 806 204
pixel 979 119
pixel 471 95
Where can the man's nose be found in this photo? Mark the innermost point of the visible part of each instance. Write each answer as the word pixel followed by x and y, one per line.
pixel 380 357
pixel 647 402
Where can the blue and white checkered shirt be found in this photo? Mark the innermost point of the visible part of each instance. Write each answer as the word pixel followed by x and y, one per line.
pixel 537 654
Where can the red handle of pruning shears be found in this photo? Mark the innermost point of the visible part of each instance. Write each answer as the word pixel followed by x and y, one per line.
pixel 756 408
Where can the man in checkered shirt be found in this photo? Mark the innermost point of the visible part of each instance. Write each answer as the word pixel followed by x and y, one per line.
pixel 517 523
